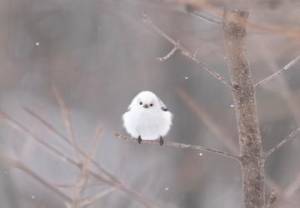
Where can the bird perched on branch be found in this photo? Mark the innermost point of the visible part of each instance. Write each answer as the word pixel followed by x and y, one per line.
pixel 147 118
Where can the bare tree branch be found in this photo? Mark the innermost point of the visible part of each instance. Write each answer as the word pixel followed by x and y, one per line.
pixel 252 160
pixel 275 74
pixel 205 17
pixel 84 173
pixel 65 139
pixel 168 55
pixel 66 117
pixel 62 156
pixel 108 178
pixel 184 50
pixel 287 139
pixel 13 163
pixel 181 146
pixel 91 200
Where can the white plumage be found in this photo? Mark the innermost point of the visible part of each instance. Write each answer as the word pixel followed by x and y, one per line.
pixel 147 117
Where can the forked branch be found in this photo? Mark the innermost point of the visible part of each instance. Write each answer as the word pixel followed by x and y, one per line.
pixel 178 46
pixel 104 176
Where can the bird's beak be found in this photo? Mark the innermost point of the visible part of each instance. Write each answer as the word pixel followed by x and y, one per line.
pixel 146 106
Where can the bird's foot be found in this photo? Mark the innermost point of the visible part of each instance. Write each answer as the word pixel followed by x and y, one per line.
pixel 161 141
pixel 139 139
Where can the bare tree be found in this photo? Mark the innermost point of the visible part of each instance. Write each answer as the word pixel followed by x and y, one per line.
pixel 99 53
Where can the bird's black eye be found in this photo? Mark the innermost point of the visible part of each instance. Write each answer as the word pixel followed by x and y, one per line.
pixel 151 104
pixel 141 103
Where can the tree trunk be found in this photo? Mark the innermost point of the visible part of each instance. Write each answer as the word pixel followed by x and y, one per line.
pixel 252 161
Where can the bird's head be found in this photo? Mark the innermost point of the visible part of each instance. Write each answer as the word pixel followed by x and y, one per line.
pixel 146 100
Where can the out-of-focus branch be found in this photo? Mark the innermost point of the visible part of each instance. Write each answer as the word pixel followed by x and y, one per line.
pixel 66 117
pixel 181 146
pixel 62 156
pixel 293 187
pixel 209 122
pixel 252 160
pixel 178 46
pixel 52 129
pixel 13 163
pixel 272 200
pixel 207 6
pixel 205 18
pixel 106 178
pixel 84 173
pixel 91 200
pixel 109 177
pixel 287 139
pixel 275 74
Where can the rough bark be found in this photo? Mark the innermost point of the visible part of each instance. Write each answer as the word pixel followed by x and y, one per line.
pixel 252 162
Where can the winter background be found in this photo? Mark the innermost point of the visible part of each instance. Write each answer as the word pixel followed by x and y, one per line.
pixel 98 54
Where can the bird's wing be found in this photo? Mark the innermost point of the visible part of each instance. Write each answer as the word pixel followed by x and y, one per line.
pixel 163 106
pixel 133 102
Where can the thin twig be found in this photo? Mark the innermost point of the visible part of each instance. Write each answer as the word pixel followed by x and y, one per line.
pixel 66 117
pixel 275 74
pixel 184 50
pixel 206 18
pixel 181 146
pixel 287 139
pixel 168 55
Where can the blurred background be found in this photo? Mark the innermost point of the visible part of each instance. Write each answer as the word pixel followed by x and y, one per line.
pixel 98 54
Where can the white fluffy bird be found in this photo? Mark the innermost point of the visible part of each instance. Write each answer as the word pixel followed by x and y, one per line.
pixel 147 118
